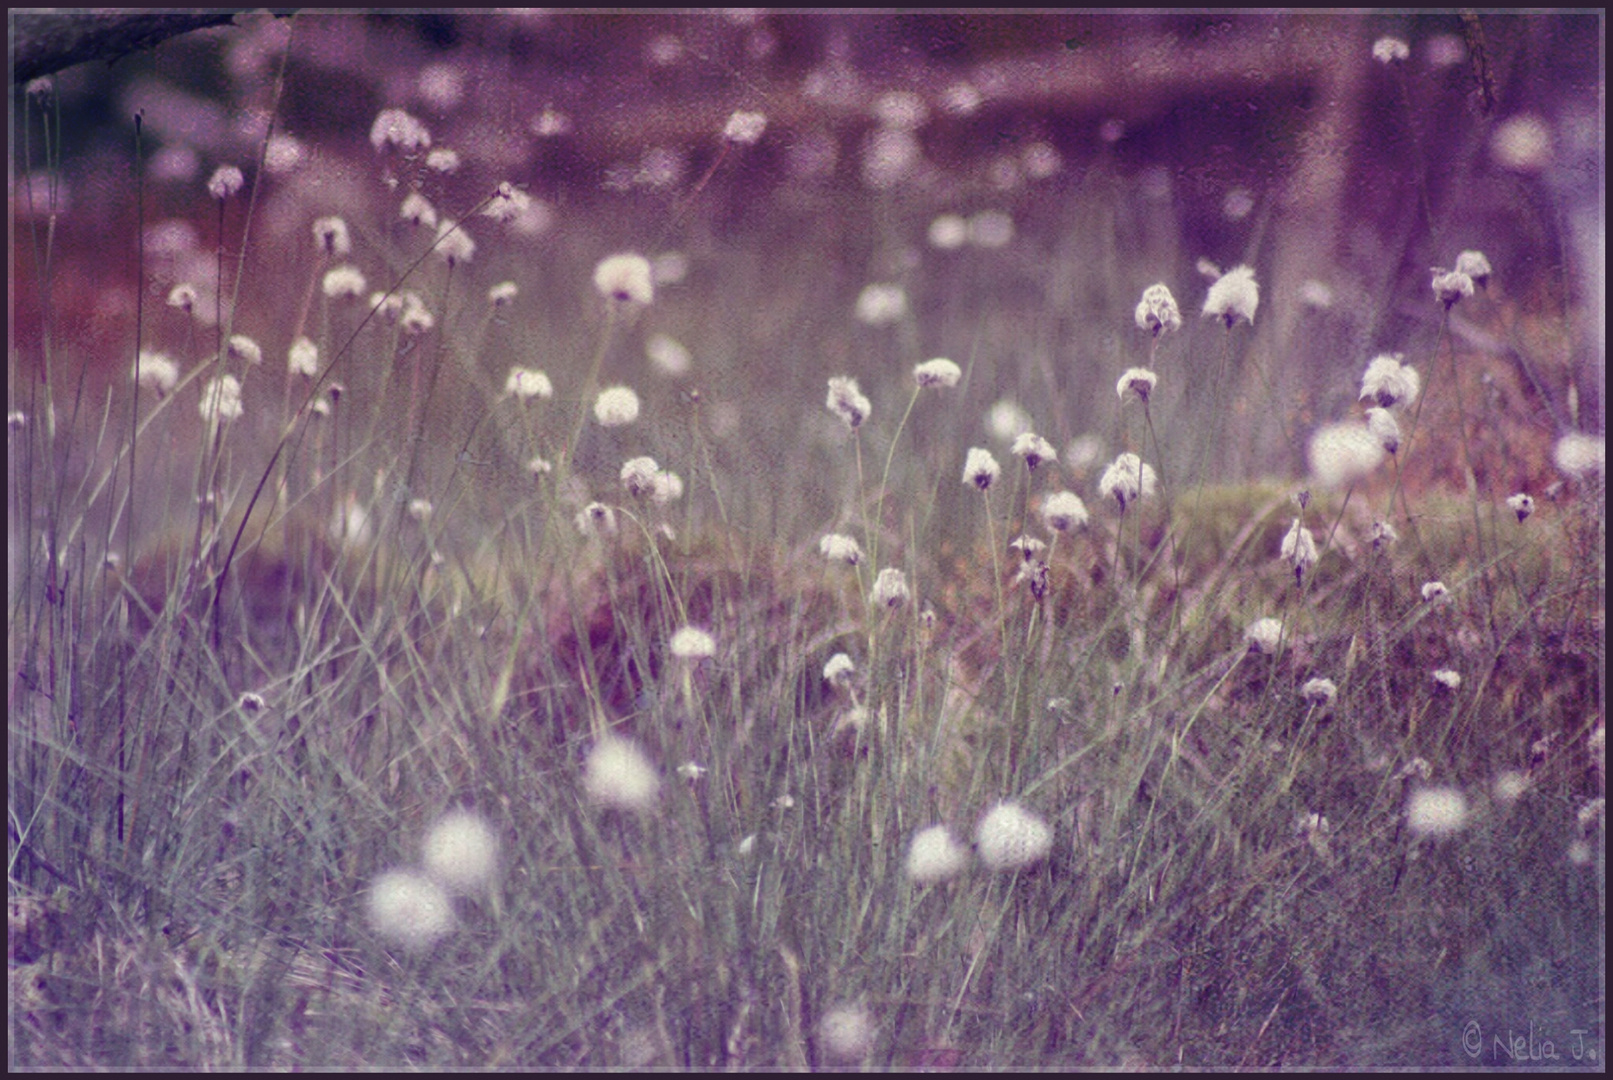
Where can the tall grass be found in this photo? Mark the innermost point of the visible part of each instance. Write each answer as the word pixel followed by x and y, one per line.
pixel 254 662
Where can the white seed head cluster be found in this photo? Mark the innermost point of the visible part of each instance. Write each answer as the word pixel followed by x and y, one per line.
pixel 618 775
pixel 1319 692
pixel 1138 381
pixel 460 853
pixel 1389 382
pixel 744 128
pixel 839 670
pixel 344 282
pixel 625 279
pixel 245 349
pixel 935 856
pixel 1343 453
pixel 616 406
pixel 409 909
pixel 1579 455
pixel 331 236
pixel 638 476
pixel 1127 480
pixel 692 643
pixel 417 210
pixel 1034 449
pixel 980 468
pixel 1386 50
pixel 221 399
pixel 1007 420
pixel 847 401
pixel 847 1032
pixel 1447 679
pixel 1436 811
pixel 881 303
pixel 1235 295
pixel 1299 549
pixel 1064 511
pixel 1451 286
pixel 184 297
pixel 303 358
pixel 837 547
pixel 225 181
pixel 1382 425
pixel 1434 590
pixel 668 355
pixel 454 245
pixel 395 127
pixel 1521 504
pixel 938 372
pixel 526 383
pixel 156 370
pixel 596 519
pixel 1010 837
pixel 890 589
pixel 1474 265
pixel 1264 635
pixel 1157 311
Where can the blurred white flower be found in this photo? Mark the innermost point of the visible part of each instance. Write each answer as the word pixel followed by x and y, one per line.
pixel 839 670
pixel 1137 380
pixel 667 354
pixel 183 296
pixel 1522 143
pixel 616 406
pixel 596 519
pixel 221 399
pixel 1510 785
pixel 847 401
pixel 156 370
pixel 343 282
pixel 460 852
pixel 395 127
pixel 503 294
pixel 948 232
pixel 847 1032
pixel 1343 453
pixel 1389 49
pixel 1389 382
pixel 1299 549
pixel 1264 635
pixel 1034 449
pixel 744 128
pixel 443 160
pixel 1234 295
pixel 991 229
pixel 935 856
pixel 890 589
pixel 1383 535
pixel 1451 286
pixel 243 348
pixel 980 468
pixel 1436 811
pixel 417 210
pixel 625 279
pixel 409 909
pixel 1578 455
pixel 331 236
pixel 1448 679
pixel 1157 311
pixel 1064 511
pixel 619 775
pixel 1007 421
pixel 638 476
pixel 938 372
pixel 1382 425
pixel 303 358
pixel 668 488
pixel 1434 590
pixel 692 643
pixel 1474 265
pixel 881 303
pixel 1319 692
pixel 1010 837
pixel 1128 479
pixel 1521 504
pixel 508 203
pixel 454 244
pixel 226 181
pixel 840 548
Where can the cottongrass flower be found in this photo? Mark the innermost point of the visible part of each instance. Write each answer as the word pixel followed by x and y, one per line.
pixel 221 399
pixel 616 406
pixel 1034 449
pixel 744 128
pixel 935 856
pixel 241 347
pixel 1386 50
pixel 668 354
pixel 596 519
pixel 1447 679
pixel 847 402
pixel 1157 311
pixel 1436 811
pixel 420 509
pixel 980 468
pixel 1382 425
pixel 1007 420
pixel 331 236
pixel 395 127
pixel 1010 837
pixel 625 279
pixel 837 547
pixel 1235 295
pixel 1064 511
pixel 1475 266
pixel 225 182
pixel 1127 480
pixel 847 1032
pixel 409 909
pixel 507 203
pixel 460 853
pixel 442 159
pixel 1509 786
pixel 415 318
pixel 417 210
pixel 692 643
pixel 527 383
pixel 839 670
pixel 667 487
pixel 1434 590
pixel 638 476
pixel 503 294
pixel 618 775
pixel 343 282
pixel 156 370
pixel 1264 635
pixel 1299 549
pixel 1319 692
pixel 183 296
pixel 1384 535
pixel 881 303
pixel 1389 382
pixel 1137 380
pixel 1451 286
pixel 1521 504
pixel 948 232
pixel 1341 454
pixel 1578 455
pixel 938 372
pixel 303 358
pixel 890 589
pixel 454 245
pixel 1027 547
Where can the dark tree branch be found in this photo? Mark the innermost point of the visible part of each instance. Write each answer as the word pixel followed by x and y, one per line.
pixel 43 42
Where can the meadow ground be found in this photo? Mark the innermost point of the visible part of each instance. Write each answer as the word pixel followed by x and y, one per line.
pixel 845 580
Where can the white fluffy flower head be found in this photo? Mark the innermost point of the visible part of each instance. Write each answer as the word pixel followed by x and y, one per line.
pixel 1578 455
pixel 638 476
pixel 1064 511
pixel 1386 50
pixel 618 775
pixel 409 909
pixel 1157 311
pixel 1451 286
pixel 1319 692
pixel 692 643
pixel 1299 549
pixel 890 589
pixel 1264 635
pixel 1389 382
pixel 938 372
pixel 1127 480
pixel 1382 425
pixel 744 128
pixel 460 852
pixel 1343 453
pixel 625 279
pixel 221 399
pixel 1010 837
pixel 935 856
pixel 1235 295
pixel 837 547
pixel 1521 504
pixel 226 181
pixel 1474 265
pixel 616 406
pixel 156 370
pixel 881 303
pixel 395 127
pixel 526 383
pixel 980 468
pixel 1137 380
pixel 847 401
pixel 1436 811
pixel 1034 449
